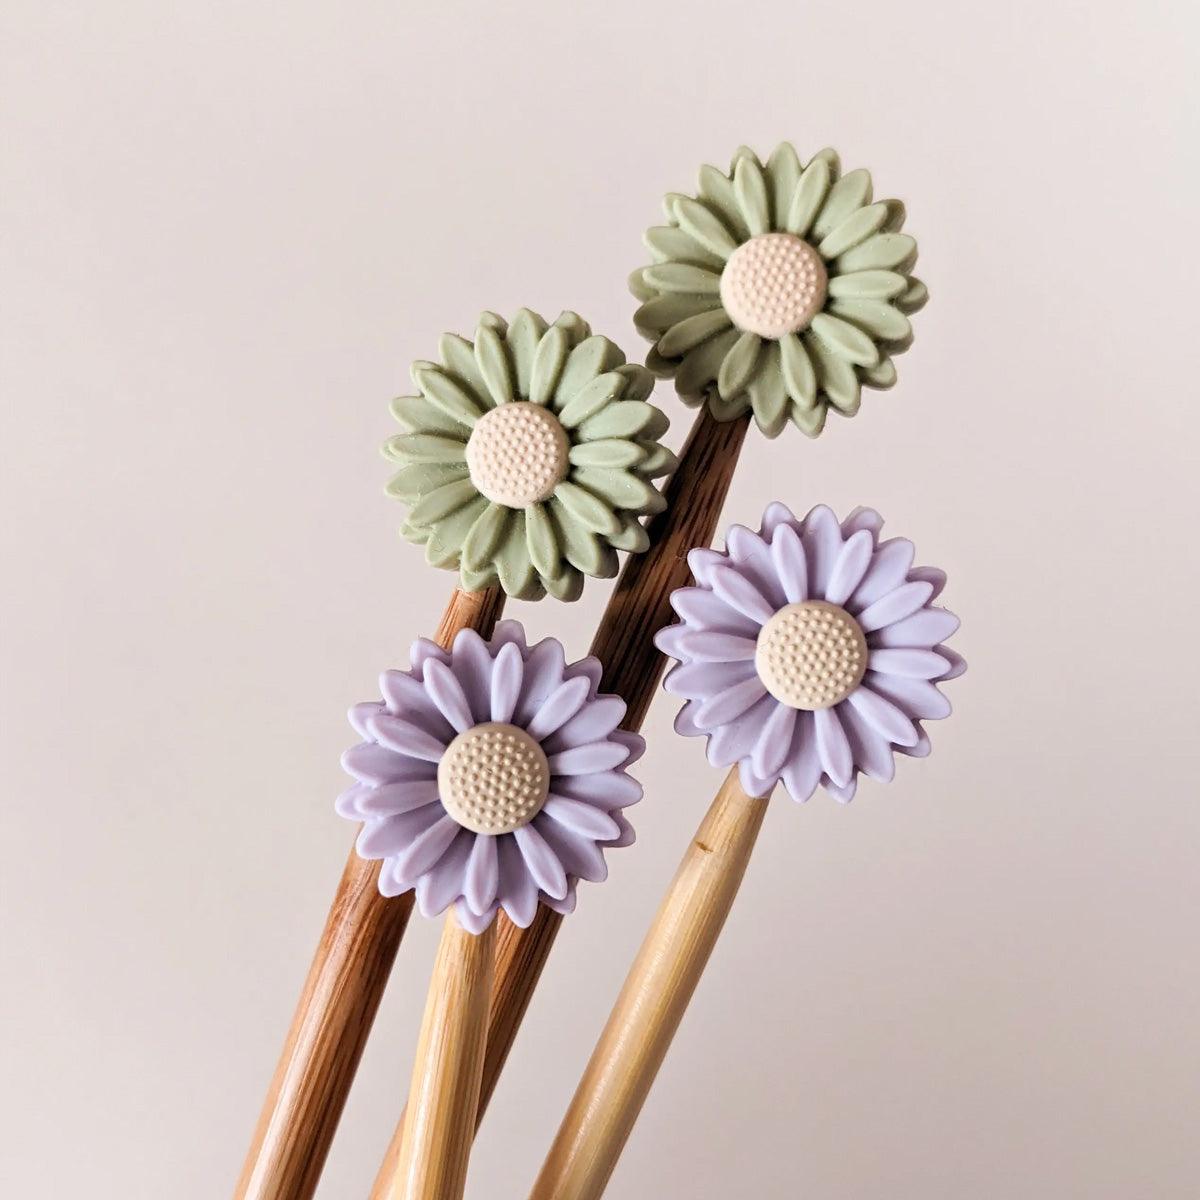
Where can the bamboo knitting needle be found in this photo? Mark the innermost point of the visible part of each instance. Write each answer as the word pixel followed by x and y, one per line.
pixel 338 1004
pixel 638 608
pixel 448 1068
pixel 653 1000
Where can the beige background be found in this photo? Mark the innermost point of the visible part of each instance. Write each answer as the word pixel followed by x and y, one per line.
pixel 228 228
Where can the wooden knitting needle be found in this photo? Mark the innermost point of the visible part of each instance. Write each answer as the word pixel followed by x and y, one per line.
pixel 338 1004
pixel 432 1164
pixel 651 1005
pixel 638 608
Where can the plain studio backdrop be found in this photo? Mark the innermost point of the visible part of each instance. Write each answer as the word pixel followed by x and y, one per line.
pixel 227 231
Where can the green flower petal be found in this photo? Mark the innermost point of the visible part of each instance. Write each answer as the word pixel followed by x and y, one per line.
pixel 567 586
pixel 492 357
pixel 750 188
pixel 586 509
pixel 513 564
pixel 484 536
pixel 727 408
pixel 739 365
pixel 867 285
pixel 620 420
pixel 622 489
pixel 797 370
pixel 593 356
pixel 810 421
pixel 581 548
pixel 914 298
pixel 703 227
pixel 574 326
pixel 446 393
pixel 639 383
pixel 854 229
pixel 845 340
pixel 717 190
pixel 443 501
pixel 667 243
pixel 523 338
pixel 656 316
pixel 632 536
pixel 691 331
pixel 444 547
pixel 411 483
pixel 540 540
pixel 424 448
pixel 783 173
pixel 876 317
pixel 768 395
pixel 548 363
pixel 459 357
pixel 609 452
pixel 884 250
pixel 683 277
pixel 592 398
pixel 656 460
pixel 700 366
pixel 414 414
pixel 850 192
pixel 808 197
pixel 882 374
pixel 740 153
pixel 837 377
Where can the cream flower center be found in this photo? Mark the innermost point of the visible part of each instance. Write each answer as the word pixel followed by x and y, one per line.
pixel 517 454
pixel 811 655
pixel 773 285
pixel 493 778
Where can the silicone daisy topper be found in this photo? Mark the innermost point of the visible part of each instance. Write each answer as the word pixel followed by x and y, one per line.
pixel 810 652
pixel 528 456
pixel 491 776
pixel 780 289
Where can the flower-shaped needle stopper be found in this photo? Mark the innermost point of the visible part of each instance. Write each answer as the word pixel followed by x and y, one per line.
pixel 778 288
pixel 810 652
pixel 527 458
pixel 491 776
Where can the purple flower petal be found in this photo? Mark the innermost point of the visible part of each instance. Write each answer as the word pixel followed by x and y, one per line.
pixel 883 716
pixel 714 647
pixel 791 564
pixel 544 666
pixel 580 856
pixel 895 606
pixel 547 872
pixel 732 742
pixel 447 693
pixel 394 798
pixel 701 609
pixel 822 543
pixel 850 566
pixel 911 663
pixel 407 695
pixel 584 819
pixel 474 922
pixel 584 760
pixel 518 890
pixel 888 570
pixel 507 674
pixel 507 632
pixel 699 679
pixel 777 515
pixel 843 793
pixel 863 518
pixel 923 629
pixel 472 665
pixel 873 753
pixel 728 705
pixel 558 707
pixel 701 562
pixel 387 836
pixel 738 592
pixel 751 556
pixel 396 734
pixel 422 651
pixel 957 664
pixel 423 851
pixel 608 789
pixel 593 723
pixel 634 743
pixel 802 771
pixel 754 784
pixel 439 888
pixel 360 714
pixel 371 763
pixel 832 746
pixel 481 877
pixel 774 742
pixel 934 576
pixel 915 697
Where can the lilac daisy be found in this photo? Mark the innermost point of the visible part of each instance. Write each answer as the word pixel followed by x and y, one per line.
pixel 810 652
pixel 491 776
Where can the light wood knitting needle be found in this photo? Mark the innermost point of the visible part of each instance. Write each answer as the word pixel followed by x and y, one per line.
pixel 653 1000
pixel 338 1004
pixel 638 608
pixel 432 1164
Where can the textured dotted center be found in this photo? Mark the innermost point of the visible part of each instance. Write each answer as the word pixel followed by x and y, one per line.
pixel 811 655
pixel 517 454
pixel 773 284
pixel 493 778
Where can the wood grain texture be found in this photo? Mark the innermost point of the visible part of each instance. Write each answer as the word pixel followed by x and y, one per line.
pixel 652 1002
pixel 340 998
pixel 436 1147
pixel 638 608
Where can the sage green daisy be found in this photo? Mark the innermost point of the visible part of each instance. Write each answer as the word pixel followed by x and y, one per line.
pixel 779 288
pixel 527 456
